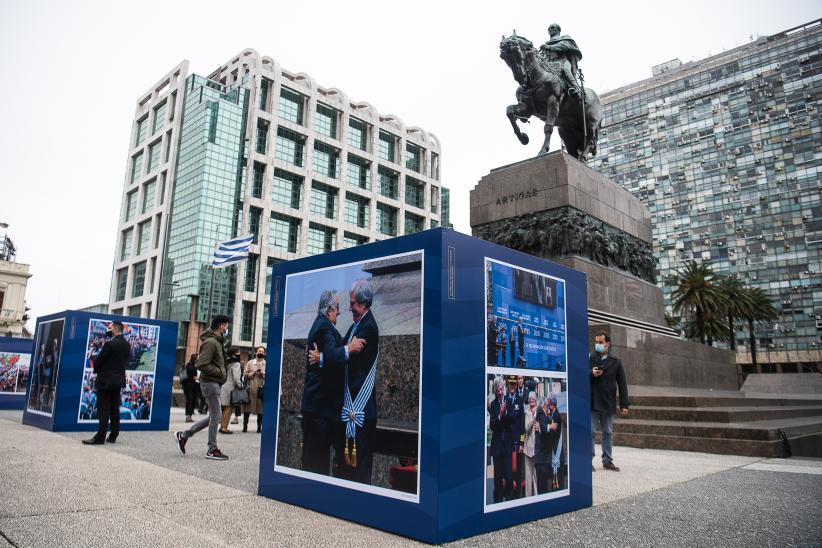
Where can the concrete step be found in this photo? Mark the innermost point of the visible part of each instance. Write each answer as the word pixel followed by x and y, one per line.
pixel 720 401
pixel 758 430
pixel 724 414
pixel 721 446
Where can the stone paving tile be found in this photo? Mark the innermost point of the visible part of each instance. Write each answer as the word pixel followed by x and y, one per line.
pixel 257 521
pixel 37 488
pixel 123 528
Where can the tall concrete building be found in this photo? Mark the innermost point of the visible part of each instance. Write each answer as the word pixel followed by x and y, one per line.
pixel 254 148
pixel 726 152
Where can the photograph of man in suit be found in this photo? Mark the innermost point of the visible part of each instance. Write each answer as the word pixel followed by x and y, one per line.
pixel 110 371
pixel 516 408
pixel 502 440
pixel 323 390
pixel 355 450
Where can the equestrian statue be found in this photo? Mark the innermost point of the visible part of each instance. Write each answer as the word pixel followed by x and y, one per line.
pixel 549 89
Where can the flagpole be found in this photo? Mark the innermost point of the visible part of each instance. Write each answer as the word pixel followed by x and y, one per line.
pixel 211 289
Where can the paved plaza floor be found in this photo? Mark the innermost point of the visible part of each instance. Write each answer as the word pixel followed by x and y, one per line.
pixel 55 491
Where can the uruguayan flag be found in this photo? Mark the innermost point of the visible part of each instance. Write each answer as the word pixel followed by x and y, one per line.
pixel 232 251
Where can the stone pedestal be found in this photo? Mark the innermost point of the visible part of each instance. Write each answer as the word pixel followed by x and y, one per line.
pixel 555 207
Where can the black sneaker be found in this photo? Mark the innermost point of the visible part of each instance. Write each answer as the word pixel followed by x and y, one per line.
pixel 181 442
pixel 216 454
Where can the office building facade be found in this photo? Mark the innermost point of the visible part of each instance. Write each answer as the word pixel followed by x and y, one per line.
pixel 726 152
pixel 254 148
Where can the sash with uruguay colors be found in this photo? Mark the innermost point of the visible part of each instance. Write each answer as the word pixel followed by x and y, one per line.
pixel 353 411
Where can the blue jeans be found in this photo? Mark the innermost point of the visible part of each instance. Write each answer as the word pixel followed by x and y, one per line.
pixel 607 422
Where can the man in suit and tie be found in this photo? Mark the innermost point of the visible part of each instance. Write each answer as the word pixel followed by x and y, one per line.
pixel 355 447
pixel 502 440
pixel 110 368
pixel 607 373
pixel 520 343
pixel 322 392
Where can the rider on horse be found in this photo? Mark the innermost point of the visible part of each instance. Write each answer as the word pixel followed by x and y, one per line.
pixel 564 51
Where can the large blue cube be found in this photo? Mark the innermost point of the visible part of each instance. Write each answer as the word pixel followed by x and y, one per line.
pixel 404 375
pixel 61 395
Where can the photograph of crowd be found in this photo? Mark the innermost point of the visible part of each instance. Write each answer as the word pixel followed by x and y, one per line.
pixel 14 372
pixel 142 338
pixel 526 457
pixel 135 398
pixel 46 364
pixel 349 397
pixel 525 319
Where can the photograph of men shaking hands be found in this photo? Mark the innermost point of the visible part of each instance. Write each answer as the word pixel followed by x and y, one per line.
pixel 330 386
pixel 350 370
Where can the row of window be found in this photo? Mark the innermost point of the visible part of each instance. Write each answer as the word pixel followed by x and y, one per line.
pixel 158 120
pixel 144 238
pixel 147 200
pixel 284 231
pixel 142 280
pixel 326 121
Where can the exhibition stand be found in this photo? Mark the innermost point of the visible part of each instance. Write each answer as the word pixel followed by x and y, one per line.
pixel 61 395
pixel 416 430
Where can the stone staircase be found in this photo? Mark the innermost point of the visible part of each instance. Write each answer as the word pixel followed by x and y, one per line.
pixel 724 422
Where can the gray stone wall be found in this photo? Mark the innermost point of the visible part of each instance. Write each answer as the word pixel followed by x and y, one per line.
pixel 656 360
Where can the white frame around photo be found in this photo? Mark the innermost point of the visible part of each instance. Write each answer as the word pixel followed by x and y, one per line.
pixel 526 372
pixel 382 491
pixel 35 355
pixel 132 372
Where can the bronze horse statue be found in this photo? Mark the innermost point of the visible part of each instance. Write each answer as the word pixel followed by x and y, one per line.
pixel 543 93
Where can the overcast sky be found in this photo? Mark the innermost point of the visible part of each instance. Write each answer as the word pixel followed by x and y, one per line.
pixel 72 72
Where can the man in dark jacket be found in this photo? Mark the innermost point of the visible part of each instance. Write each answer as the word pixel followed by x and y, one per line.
pixel 211 363
pixel 110 368
pixel 355 449
pixel 323 389
pixel 502 440
pixel 607 374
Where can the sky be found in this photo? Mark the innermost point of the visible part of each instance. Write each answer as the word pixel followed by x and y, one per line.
pixel 73 71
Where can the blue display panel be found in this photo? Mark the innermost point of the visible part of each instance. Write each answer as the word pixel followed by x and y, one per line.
pixel 433 476
pixel 526 318
pixel 61 392
pixel 15 371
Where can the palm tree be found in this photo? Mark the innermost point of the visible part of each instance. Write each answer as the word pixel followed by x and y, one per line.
pixel 761 311
pixel 737 305
pixel 697 292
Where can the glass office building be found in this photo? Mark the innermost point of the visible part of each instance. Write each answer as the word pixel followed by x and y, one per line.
pixel 253 148
pixel 726 152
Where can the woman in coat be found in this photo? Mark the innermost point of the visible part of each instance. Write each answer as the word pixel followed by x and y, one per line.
pixel 233 380
pixel 190 386
pixel 255 375
pixel 530 445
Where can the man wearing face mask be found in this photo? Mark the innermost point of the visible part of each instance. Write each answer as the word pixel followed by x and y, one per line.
pixel 607 373
pixel 212 365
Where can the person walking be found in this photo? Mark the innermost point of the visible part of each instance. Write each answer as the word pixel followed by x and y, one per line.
pixel 211 363
pixel 110 370
pixel 189 383
pixel 607 373
pixel 233 382
pixel 255 377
